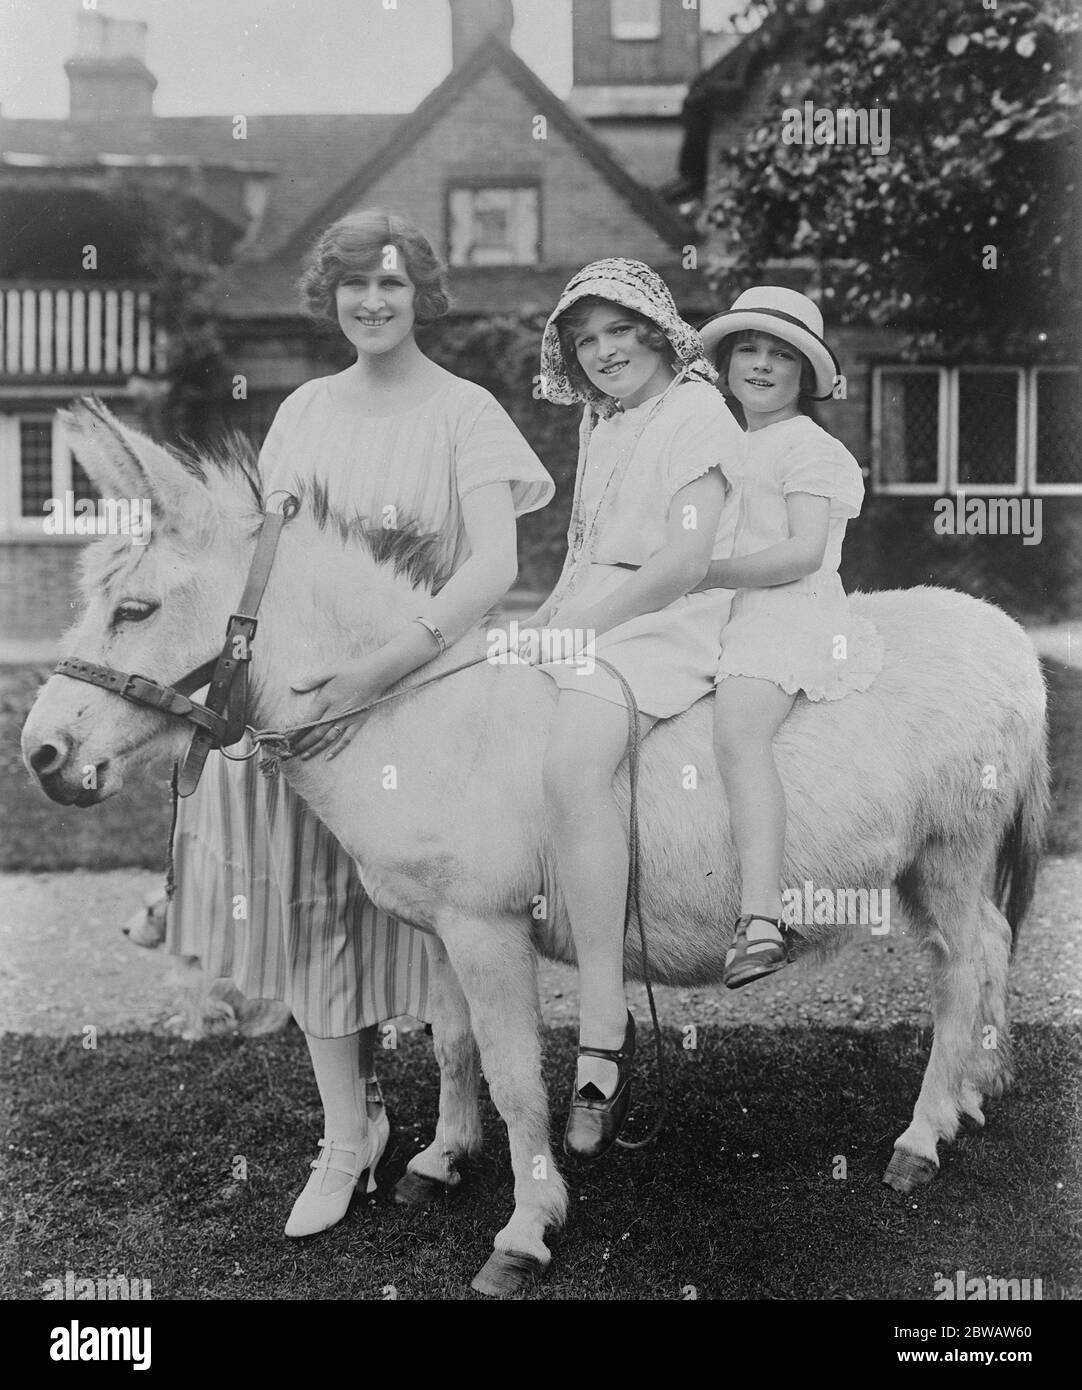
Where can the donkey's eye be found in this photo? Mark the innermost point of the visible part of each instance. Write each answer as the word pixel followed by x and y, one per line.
pixel 134 610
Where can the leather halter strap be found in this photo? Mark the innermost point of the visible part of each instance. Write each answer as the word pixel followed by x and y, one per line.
pixel 221 720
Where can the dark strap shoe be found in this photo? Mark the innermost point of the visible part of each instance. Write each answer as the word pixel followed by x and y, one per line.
pixel 594 1122
pixel 754 953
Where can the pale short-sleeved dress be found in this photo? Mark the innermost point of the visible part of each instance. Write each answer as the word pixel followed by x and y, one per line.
pixel 801 636
pixel 669 658
pixel 310 935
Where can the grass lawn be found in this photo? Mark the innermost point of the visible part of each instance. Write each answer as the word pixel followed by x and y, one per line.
pixel 121 1160
pixel 132 830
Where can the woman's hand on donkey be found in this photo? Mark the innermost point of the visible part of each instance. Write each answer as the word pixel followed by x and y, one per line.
pixel 346 687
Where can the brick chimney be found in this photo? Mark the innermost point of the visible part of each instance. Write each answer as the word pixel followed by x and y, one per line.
pixel 107 78
pixel 472 21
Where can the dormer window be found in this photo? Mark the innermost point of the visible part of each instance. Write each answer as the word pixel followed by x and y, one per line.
pixel 493 223
pixel 635 19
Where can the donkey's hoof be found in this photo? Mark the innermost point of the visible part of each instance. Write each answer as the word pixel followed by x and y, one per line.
pixel 418 1190
pixel 908 1170
pixel 507 1272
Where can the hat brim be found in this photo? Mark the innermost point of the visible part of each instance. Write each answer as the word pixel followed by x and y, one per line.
pixel 634 286
pixel 824 363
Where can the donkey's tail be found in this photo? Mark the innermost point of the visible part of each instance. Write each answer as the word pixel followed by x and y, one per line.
pixel 1022 844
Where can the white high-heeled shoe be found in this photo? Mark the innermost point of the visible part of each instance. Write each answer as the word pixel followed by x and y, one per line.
pixel 316 1210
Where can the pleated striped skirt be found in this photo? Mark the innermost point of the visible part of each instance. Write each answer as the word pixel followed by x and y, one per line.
pixel 267 897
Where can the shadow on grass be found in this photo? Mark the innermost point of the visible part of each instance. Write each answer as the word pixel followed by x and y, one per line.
pixel 124 1159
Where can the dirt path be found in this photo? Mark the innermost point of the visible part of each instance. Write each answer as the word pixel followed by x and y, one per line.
pixel 64 965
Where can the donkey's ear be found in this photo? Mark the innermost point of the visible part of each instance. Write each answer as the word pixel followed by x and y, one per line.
pixel 121 461
pixel 107 464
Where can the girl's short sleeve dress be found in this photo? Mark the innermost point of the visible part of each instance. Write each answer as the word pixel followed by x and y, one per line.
pixel 801 636
pixel 307 932
pixel 668 657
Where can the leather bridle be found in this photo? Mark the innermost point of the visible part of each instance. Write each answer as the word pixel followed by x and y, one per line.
pixel 221 720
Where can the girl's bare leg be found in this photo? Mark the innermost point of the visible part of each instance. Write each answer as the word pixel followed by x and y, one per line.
pixel 747 715
pixel 586 745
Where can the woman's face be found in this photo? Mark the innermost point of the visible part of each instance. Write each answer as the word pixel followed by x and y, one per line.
pixel 375 309
pixel 764 376
pixel 614 360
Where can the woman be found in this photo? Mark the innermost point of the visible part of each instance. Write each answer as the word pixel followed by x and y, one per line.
pixel 397 439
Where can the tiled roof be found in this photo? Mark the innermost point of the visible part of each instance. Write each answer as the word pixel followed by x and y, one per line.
pixel 315 155
pixel 494 53
pixel 323 163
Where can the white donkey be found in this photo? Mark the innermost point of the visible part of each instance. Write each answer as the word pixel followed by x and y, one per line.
pixel 933 783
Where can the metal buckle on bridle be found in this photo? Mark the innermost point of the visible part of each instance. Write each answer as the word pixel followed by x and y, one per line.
pixel 220 721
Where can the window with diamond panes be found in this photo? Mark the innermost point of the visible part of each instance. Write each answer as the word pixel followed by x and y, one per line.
pixel 35 465
pixel 909 427
pixel 1058 403
pixel 989 403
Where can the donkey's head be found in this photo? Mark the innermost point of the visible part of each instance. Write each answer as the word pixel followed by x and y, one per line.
pixel 155 606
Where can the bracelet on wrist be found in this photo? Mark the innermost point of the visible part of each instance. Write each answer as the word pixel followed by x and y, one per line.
pixel 431 628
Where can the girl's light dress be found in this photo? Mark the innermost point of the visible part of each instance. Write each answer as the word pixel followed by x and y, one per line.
pixel 801 636
pixel 264 893
pixel 669 658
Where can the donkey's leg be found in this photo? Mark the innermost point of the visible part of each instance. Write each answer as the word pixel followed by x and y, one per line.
pixel 950 903
pixel 495 963
pixel 433 1172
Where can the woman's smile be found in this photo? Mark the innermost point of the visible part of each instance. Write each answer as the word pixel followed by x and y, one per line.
pixel 614 360
pixel 375 309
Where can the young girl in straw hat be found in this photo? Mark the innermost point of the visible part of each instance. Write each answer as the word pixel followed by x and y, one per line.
pixel 647 519
pixel 790 629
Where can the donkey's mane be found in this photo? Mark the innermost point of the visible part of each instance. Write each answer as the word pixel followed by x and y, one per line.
pixel 414 553
pixel 411 551
pixel 231 454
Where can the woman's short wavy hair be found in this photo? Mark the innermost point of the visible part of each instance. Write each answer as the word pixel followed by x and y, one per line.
pixel 575 315
pixel 358 243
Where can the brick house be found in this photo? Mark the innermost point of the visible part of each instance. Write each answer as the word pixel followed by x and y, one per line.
pixel 923 431
pixel 513 185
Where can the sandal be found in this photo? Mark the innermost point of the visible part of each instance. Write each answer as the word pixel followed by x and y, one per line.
pixel 754 953
pixel 594 1123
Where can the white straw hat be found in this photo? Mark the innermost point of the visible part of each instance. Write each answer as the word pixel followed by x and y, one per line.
pixel 786 314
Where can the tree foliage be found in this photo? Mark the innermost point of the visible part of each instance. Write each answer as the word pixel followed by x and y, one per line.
pixel 985 107
pixel 186 287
